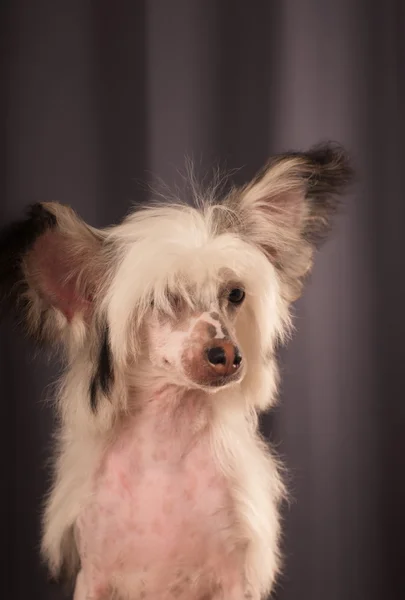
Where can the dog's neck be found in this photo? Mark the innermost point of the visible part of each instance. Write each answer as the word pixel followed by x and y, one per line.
pixel 192 410
pixel 171 401
pixel 167 417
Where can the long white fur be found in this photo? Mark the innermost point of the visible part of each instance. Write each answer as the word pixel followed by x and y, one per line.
pixel 262 237
pixel 177 248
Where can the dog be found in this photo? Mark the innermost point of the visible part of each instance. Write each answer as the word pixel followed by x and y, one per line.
pixel 167 323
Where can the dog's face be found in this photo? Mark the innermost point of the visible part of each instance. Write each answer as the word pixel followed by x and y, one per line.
pixel 198 347
pixel 195 297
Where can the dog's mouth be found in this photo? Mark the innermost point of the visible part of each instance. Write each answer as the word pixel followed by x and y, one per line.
pixel 212 385
pixel 207 384
pixel 223 381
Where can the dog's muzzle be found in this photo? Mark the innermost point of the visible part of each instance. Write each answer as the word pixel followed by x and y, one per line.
pixel 215 364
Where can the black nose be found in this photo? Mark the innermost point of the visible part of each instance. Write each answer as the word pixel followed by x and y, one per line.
pixel 224 359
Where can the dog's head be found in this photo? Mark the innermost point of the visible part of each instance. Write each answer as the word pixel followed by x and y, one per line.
pixel 195 297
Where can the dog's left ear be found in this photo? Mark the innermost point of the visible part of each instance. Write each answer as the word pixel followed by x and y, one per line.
pixel 286 211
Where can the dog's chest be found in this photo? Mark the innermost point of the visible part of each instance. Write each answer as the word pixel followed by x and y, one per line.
pixel 158 502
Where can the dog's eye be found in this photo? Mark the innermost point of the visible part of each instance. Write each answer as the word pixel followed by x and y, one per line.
pixel 236 296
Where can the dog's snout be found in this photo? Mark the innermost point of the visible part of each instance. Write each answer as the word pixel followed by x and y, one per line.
pixel 224 358
pixel 211 357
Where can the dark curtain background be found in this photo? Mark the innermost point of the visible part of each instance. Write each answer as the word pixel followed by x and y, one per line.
pixel 100 96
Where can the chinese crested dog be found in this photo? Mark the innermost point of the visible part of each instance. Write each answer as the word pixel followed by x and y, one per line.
pixel 163 488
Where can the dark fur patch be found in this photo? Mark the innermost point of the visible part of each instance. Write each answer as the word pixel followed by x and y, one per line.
pixel 104 375
pixel 212 331
pixel 332 173
pixel 327 172
pixel 15 241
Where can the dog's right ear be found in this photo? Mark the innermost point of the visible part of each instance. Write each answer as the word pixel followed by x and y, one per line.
pixel 50 271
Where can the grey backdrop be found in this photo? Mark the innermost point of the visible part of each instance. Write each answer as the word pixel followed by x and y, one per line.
pixel 99 96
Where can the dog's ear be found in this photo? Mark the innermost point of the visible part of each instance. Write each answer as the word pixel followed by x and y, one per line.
pixel 50 270
pixel 286 210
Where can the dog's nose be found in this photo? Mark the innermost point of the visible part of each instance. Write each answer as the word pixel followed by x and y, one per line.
pixel 224 358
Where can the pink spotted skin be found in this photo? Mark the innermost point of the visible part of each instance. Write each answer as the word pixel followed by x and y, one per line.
pixel 160 522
